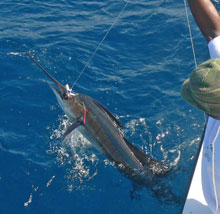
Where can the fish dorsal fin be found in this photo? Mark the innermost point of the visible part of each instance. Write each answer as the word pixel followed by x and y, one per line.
pixel 118 123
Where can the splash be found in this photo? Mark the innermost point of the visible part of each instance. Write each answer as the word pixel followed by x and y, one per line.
pixel 14 53
pixel 50 181
pixel 26 204
pixel 76 154
pixel 154 144
pixel 29 201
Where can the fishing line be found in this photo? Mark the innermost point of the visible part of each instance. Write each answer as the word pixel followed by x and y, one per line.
pixel 190 33
pixel 100 43
pixel 191 39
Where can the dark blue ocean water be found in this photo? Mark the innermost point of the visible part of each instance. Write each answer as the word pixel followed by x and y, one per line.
pixel 136 73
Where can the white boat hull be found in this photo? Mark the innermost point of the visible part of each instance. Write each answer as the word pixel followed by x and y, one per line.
pixel 195 202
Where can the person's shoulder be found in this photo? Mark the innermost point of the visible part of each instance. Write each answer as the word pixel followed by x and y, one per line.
pixel 214 47
pixel 215 40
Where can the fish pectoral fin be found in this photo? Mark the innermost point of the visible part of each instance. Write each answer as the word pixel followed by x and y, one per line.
pixel 71 128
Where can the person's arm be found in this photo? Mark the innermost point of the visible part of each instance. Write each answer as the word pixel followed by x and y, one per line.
pixel 206 17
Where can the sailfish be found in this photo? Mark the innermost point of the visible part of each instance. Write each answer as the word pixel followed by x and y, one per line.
pixel 103 129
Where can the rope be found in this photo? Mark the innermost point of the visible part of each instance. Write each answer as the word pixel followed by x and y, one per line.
pixel 100 43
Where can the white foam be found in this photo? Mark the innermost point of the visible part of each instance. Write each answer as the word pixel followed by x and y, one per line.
pixel 14 53
pixel 75 153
